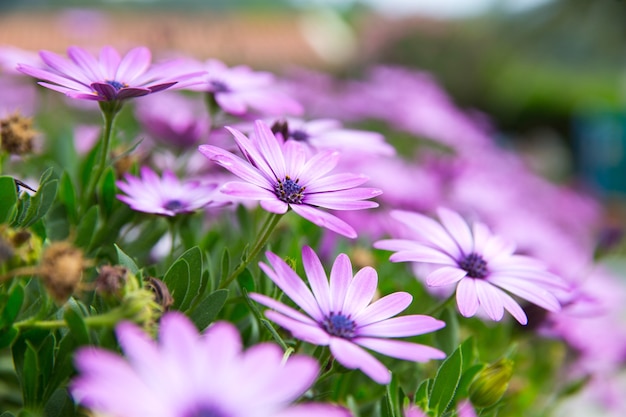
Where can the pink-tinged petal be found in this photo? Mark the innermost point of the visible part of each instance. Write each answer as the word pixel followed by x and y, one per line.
pixel 270 148
pixel 458 228
pixel 512 307
pixel 402 326
pixel 400 349
pixel 234 164
pixel 326 220
pixel 423 254
pixel 360 292
pixel 292 285
pixel 249 150
pixel 222 339
pixel 317 279
pixel 274 205
pixel 466 298
pixel 247 190
pixel 133 64
pixel 231 103
pixel 86 93
pixel 65 67
pixel 318 166
pixel 299 330
pixel 314 410
pixel 481 235
pixel 295 157
pixel 337 182
pixel 497 247
pixel 178 340
pixel 282 308
pixel 533 293
pixel 86 62
pixel 353 357
pixel 428 230
pixel 46 75
pixel 131 92
pixel 105 90
pixel 489 299
pixel 163 86
pixel 340 278
pixel 383 308
pixel 342 195
pixel 109 61
pixel 397 244
pixel 446 275
pixel 539 277
pixel 339 204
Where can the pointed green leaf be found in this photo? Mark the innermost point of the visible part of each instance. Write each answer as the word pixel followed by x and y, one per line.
pixel 193 257
pixel 108 191
pixel 86 229
pixel 422 393
pixel 208 309
pixel 77 326
pixel 12 306
pixel 446 382
pixel 60 404
pixel 30 375
pixel 177 280
pixel 7 337
pixel 448 337
pixel 8 202
pixel 67 194
pixel 42 200
pixel 126 261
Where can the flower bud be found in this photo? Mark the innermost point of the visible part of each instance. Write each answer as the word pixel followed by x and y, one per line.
pixel 62 269
pixel 111 279
pixel 17 134
pixel 491 383
pixel 162 295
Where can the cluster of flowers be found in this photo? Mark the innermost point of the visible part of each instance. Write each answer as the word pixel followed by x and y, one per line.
pixel 476 225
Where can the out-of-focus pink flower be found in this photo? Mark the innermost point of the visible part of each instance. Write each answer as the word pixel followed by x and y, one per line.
pixel 339 314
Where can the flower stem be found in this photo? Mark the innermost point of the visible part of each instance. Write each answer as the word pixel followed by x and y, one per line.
pixel 439 307
pixel 108 319
pixel 263 236
pixel 109 113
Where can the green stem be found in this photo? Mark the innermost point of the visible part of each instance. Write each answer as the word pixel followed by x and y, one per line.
pixel 264 235
pixel 108 319
pixel 439 307
pixel 109 113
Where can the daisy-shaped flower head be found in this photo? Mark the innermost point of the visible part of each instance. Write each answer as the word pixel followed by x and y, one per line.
pixel 339 314
pixel 110 77
pixel 281 176
pixel 483 266
pixel 186 374
pixel 239 89
pixel 165 195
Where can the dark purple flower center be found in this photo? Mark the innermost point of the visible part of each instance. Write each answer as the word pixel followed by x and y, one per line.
pixel 116 84
pixel 299 135
pixel 339 325
pixel 206 411
pixel 173 205
pixel 475 265
pixel 289 191
pixel 218 86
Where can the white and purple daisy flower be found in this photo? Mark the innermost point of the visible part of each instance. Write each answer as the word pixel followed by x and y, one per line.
pixel 239 90
pixel 339 314
pixel 483 266
pixel 110 77
pixel 280 176
pixel 166 196
pixel 186 374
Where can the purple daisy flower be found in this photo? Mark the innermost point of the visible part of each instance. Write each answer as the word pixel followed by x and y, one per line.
pixel 108 78
pixel 280 176
pixel 482 265
pixel 339 314
pixel 167 196
pixel 185 374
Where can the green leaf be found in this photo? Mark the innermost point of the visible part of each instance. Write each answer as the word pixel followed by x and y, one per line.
pixel 108 191
pixel 30 375
pixel 41 202
pixel 246 280
pixel 8 336
pixel 86 228
pixel 12 307
pixel 67 194
pixel 23 204
pixel 446 382
pixel 77 326
pixel 193 257
pixel 59 404
pixel 8 202
pixel 177 280
pixel 448 337
pixel 422 393
pixel 208 309
pixel 225 266
pixel 126 261
pixel 46 364
pixel 7 414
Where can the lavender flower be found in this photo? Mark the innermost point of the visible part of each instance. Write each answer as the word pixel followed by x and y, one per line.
pixel 481 264
pixel 108 78
pixel 185 374
pixel 339 314
pixel 239 89
pixel 280 176
pixel 167 196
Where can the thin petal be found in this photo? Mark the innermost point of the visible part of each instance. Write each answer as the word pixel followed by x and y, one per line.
pixel 282 308
pixel 299 330
pixel 402 326
pixel 360 291
pixel 400 349
pixel 458 228
pixel 383 308
pixel 446 275
pixel 134 63
pixel 353 357
pixel 489 298
pixel 466 298
pixel 317 279
pixel 340 278
pixel 325 220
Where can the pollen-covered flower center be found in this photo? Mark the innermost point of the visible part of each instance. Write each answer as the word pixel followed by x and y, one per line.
pixel 339 325
pixel 173 205
pixel 299 135
pixel 289 191
pixel 218 86
pixel 116 84
pixel 475 265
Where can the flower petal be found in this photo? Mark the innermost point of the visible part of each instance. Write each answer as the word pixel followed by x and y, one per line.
pixel 400 349
pixel 383 308
pixel 353 357
pixel 402 326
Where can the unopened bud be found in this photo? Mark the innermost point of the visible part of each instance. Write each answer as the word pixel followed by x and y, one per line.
pixel 17 134
pixel 62 269
pixel 491 383
pixel 111 279
pixel 162 295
